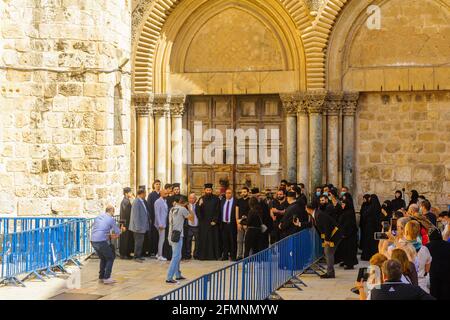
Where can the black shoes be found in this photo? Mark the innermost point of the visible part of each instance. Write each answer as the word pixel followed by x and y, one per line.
pixel 171 281
pixel 327 276
pixel 181 278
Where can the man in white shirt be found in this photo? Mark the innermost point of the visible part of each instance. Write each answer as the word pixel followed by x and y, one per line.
pixel 192 231
pixel 228 226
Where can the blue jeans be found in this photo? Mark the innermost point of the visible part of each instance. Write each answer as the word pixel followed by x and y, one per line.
pixel 107 256
pixel 174 268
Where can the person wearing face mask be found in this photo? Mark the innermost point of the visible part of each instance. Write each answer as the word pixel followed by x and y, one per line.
pixel 316 196
pixel 444 219
pixel 398 203
pixel 277 210
pixel 344 190
pixel 295 217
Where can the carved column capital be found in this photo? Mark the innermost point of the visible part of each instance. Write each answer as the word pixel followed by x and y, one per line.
pixel 141 104
pixel 159 103
pixel 314 101
pixel 334 103
pixel 350 103
pixel 177 105
pixel 290 103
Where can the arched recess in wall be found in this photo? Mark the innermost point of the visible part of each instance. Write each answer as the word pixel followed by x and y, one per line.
pixel 410 51
pixel 162 22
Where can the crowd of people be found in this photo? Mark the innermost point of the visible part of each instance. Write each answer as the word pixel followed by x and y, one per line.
pixel 229 225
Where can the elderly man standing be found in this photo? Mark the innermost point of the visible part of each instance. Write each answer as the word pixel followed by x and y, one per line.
pixel 139 224
pixel 101 238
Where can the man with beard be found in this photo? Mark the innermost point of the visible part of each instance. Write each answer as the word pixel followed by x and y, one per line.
pixel 242 209
pixel 265 219
pixel 126 238
pixel 283 185
pixel 176 196
pixel 294 212
pixel 151 199
pixel 139 224
pixel 208 213
pixel 277 210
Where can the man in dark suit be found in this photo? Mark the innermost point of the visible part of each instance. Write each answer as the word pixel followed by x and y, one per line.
pixel 139 224
pixel 228 228
pixel 393 288
pixel 330 234
pixel 152 197
pixel 295 210
pixel 126 238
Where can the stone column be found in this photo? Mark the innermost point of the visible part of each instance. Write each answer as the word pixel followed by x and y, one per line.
pixel 332 108
pixel 315 102
pixel 290 111
pixel 160 111
pixel 302 143
pixel 348 111
pixel 142 115
pixel 176 113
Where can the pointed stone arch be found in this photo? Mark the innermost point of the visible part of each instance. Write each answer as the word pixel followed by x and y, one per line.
pixel 148 21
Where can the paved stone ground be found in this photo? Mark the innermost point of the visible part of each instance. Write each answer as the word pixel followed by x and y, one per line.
pixel 145 281
pixel 136 281
pixel 325 289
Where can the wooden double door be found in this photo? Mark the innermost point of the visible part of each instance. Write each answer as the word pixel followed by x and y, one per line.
pixel 255 158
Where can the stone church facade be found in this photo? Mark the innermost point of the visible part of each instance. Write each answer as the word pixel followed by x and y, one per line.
pixel 94 95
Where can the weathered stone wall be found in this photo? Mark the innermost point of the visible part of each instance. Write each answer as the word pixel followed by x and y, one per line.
pixel 403 141
pixel 65 112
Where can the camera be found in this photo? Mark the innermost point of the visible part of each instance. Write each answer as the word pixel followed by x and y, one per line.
pixel 380 236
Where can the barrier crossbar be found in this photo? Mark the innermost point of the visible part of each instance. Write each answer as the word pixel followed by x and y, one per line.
pixel 257 276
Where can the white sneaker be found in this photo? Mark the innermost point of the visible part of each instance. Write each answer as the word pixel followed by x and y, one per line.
pixel 109 281
pixel 162 259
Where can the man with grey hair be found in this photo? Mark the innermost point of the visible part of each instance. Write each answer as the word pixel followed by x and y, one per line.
pixel 192 230
pixel 104 230
pixel 393 288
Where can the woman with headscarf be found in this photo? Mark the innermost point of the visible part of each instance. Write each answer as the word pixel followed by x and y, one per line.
pixel 414 198
pixel 371 225
pixel 398 203
pixel 362 217
pixel 348 247
pixel 386 210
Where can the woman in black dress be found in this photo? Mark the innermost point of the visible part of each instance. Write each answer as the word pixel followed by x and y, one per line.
pixel 253 225
pixel 371 224
pixel 362 218
pixel 348 247
pixel 398 203
pixel 414 198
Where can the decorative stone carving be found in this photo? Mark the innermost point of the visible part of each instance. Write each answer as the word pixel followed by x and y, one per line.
pixel 334 103
pixel 314 101
pixel 141 103
pixel 177 106
pixel 290 103
pixel 160 104
pixel 350 103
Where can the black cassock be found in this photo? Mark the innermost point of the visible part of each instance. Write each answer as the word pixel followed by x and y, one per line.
pixel 126 242
pixel 208 210
pixel 266 220
pixel 370 223
pixel 348 248
pixel 152 197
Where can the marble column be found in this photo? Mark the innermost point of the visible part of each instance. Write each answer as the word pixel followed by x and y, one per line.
pixel 290 111
pixel 176 113
pixel 333 105
pixel 350 104
pixel 142 116
pixel 303 144
pixel 160 110
pixel 315 102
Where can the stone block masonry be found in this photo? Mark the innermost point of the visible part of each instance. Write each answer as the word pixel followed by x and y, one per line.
pixel 58 115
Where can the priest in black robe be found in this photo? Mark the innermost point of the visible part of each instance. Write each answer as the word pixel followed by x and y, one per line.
pixel 126 241
pixel 208 213
pixel 152 197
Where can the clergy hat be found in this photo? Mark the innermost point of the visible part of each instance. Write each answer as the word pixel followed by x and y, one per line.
pixel 126 190
pixel 176 185
pixel 255 190
pixel 291 194
pixel 208 185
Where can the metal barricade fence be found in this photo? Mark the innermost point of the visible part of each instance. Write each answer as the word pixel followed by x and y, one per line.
pixel 258 276
pixel 35 246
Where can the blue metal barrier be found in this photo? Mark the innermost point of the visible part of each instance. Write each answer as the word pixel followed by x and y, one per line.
pixel 36 246
pixel 258 276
